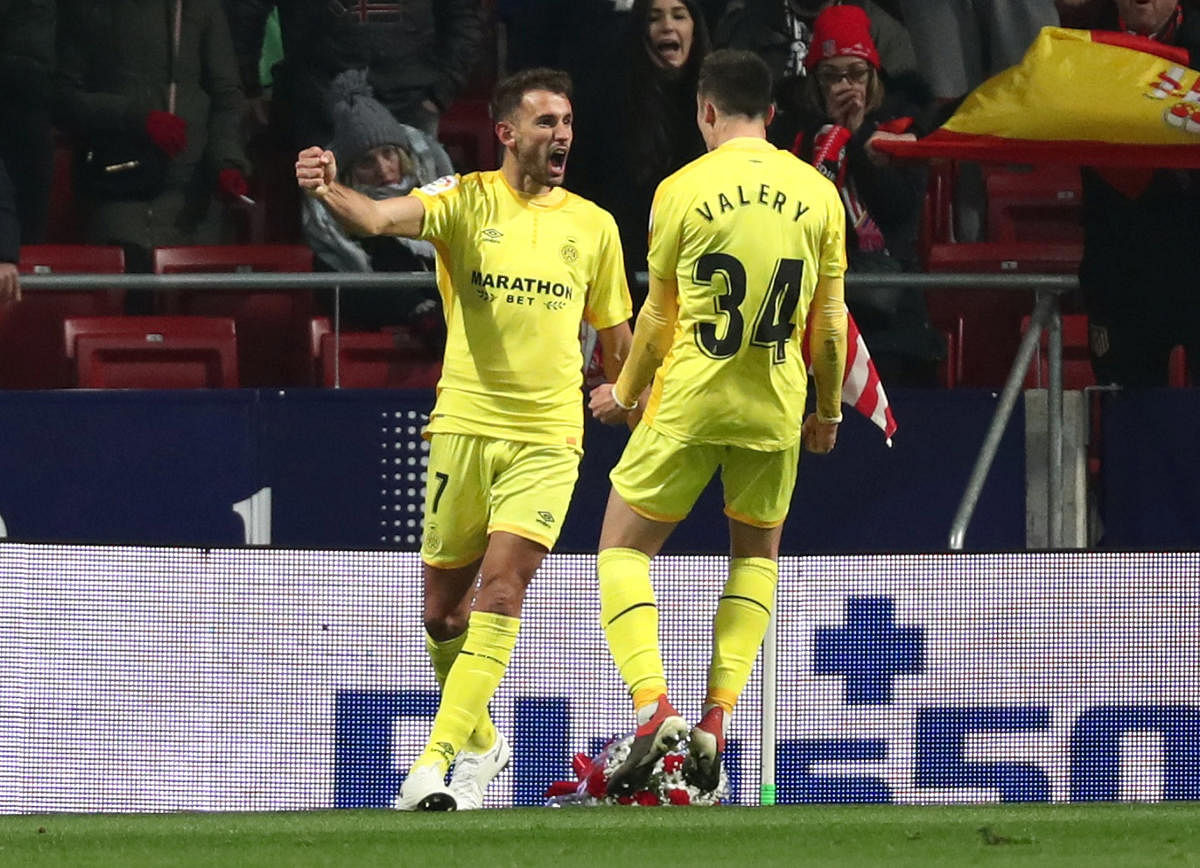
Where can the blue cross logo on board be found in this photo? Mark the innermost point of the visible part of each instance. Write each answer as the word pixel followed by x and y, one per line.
pixel 869 650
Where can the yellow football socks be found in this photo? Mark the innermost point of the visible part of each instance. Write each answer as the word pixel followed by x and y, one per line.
pixel 470 684
pixel 441 655
pixel 738 628
pixel 629 616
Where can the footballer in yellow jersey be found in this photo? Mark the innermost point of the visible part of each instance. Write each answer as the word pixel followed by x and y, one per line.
pixel 521 262
pixel 746 248
pixel 516 274
pixel 744 231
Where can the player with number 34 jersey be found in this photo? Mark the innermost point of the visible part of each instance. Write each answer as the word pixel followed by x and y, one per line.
pixel 746 250
pixel 745 231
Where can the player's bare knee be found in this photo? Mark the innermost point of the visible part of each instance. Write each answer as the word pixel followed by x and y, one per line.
pixel 502 592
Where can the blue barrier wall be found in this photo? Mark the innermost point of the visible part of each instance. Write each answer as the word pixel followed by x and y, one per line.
pixel 344 471
pixel 1150 471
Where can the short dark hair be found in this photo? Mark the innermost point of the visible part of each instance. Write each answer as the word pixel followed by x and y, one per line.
pixel 736 82
pixel 510 90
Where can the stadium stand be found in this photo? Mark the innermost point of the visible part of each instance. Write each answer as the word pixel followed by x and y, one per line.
pixel 152 352
pixel 390 359
pixel 937 215
pixel 271 324
pixel 950 369
pixel 467 133
pixel 1028 203
pixel 65 222
pixel 1076 363
pixel 31 355
pixel 991 318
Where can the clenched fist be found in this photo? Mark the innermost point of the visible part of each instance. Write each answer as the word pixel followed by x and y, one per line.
pixel 316 170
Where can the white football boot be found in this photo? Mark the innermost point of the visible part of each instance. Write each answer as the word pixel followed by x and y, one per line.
pixel 474 771
pixel 425 790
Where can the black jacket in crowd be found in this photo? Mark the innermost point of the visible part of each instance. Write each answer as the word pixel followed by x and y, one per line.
pixel 10 229
pixel 413 50
pixel 26 143
pixel 1139 225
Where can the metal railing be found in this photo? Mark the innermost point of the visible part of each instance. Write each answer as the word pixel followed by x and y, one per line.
pixel 1048 289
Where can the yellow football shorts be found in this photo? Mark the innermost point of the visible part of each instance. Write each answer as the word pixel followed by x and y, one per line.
pixel 660 478
pixel 476 485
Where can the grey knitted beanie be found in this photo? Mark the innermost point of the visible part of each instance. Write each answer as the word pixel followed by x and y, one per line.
pixel 361 122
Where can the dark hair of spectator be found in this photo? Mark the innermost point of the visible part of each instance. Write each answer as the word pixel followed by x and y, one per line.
pixel 651 88
pixel 510 91
pixel 736 82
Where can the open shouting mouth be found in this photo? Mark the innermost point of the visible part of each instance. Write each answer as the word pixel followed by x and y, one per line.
pixel 558 160
pixel 670 51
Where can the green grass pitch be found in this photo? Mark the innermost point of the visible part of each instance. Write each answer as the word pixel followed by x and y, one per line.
pixel 724 837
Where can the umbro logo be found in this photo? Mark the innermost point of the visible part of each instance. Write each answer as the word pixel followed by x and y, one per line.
pixel 545 518
pixel 492 235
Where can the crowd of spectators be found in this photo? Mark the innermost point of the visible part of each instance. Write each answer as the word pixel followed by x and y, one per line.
pixel 174 135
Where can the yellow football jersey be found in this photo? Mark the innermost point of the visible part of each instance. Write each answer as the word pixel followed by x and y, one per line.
pixel 744 230
pixel 516 274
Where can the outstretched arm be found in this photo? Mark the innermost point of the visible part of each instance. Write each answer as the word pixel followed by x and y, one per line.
pixel 316 173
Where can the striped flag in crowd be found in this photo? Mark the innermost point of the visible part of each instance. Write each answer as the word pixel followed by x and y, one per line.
pixel 861 387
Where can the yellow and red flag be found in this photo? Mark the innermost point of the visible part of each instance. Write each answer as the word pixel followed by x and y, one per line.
pixel 1095 98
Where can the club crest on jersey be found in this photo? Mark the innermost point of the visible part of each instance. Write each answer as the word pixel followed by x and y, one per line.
pixel 432 544
pixel 491 235
pixel 441 185
pixel 545 518
pixel 569 253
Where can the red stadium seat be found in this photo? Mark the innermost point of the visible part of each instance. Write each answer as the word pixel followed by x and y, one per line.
pixel 65 218
pixel 950 368
pixel 31 355
pixel 271 324
pixel 152 352
pixel 1034 203
pixel 1178 376
pixel 937 212
pixel 467 133
pixel 319 326
pixel 992 318
pixel 392 359
pixel 1076 361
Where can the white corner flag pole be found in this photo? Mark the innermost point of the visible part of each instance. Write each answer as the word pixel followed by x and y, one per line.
pixel 766 795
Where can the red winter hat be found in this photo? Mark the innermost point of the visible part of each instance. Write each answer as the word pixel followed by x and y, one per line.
pixel 842 31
